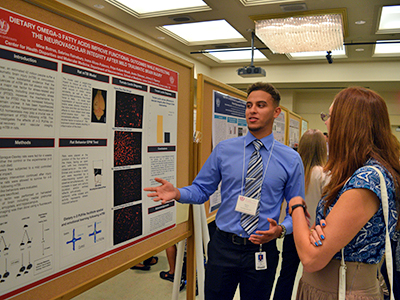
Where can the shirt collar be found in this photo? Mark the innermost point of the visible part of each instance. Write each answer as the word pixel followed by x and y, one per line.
pixel 267 141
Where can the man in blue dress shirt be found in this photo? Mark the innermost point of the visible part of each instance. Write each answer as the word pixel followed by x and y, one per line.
pixel 233 253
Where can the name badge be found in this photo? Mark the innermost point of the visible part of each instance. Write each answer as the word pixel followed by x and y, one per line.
pixel 247 205
pixel 261 261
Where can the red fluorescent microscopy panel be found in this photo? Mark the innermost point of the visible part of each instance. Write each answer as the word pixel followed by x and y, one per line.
pixel 129 110
pixel 127 148
pixel 127 223
pixel 127 186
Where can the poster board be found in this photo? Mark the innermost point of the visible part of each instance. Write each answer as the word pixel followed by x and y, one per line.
pixel 304 126
pixel 294 126
pixel 280 126
pixel 206 87
pixel 73 279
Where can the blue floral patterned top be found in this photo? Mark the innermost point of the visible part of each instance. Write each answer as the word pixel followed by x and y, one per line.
pixel 368 246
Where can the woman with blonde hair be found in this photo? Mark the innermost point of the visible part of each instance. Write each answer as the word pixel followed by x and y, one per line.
pixel 313 152
pixel 351 210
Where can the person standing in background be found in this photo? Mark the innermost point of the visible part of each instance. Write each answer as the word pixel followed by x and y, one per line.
pixel 146 264
pixel 312 150
pixel 327 144
pixel 171 257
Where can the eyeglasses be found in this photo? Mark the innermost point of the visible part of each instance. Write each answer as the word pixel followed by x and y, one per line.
pixel 325 116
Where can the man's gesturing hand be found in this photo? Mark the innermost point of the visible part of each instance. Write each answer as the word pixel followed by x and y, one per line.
pixel 165 192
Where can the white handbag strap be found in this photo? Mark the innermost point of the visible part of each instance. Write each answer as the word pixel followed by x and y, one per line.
pixel 342 278
pixel 388 248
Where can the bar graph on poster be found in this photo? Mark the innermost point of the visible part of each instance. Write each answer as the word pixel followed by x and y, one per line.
pixel 84 128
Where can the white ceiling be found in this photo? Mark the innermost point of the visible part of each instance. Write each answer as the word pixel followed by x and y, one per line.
pixel 238 15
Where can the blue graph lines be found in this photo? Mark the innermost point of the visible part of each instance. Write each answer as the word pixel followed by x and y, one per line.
pixel 95 232
pixel 74 240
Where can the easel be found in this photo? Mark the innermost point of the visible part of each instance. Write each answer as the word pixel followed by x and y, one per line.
pixel 202 238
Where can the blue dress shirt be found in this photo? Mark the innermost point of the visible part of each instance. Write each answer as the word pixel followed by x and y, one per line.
pixel 284 179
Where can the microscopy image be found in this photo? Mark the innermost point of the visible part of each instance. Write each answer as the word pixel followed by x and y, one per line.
pixel 129 110
pixel 127 148
pixel 127 223
pixel 127 186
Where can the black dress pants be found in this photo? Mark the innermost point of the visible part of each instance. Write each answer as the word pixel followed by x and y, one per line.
pixel 396 274
pixel 231 263
pixel 287 276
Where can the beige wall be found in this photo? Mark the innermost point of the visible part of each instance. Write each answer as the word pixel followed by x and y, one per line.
pixel 287 99
pixel 316 73
pixel 309 88
pixel 309 105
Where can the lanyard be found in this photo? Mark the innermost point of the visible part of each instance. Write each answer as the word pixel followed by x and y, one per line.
pixel 265 171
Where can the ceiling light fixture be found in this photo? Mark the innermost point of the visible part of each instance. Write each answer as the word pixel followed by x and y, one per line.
pixel 387 48
pixel 389 20
pixel 156 8
pixel 309 32
pixel 233 55
pixel 203 33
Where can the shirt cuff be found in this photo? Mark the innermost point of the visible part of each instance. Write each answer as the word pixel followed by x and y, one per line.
pixel 288 225
pixel 184 195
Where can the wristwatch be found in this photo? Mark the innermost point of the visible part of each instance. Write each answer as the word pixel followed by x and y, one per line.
pixel 283 231
pixel 296 206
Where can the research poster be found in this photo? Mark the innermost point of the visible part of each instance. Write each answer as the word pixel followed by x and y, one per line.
pixel 304 126
pixel 229 121
pixel 294 131
pixel 279 127
pixel 84 127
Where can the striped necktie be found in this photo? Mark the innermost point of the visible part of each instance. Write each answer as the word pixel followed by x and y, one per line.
pixel 253 187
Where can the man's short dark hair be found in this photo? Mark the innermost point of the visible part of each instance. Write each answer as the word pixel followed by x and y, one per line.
pixel 266 87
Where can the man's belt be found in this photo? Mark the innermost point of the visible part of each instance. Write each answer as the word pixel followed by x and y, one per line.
pixel 237 240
